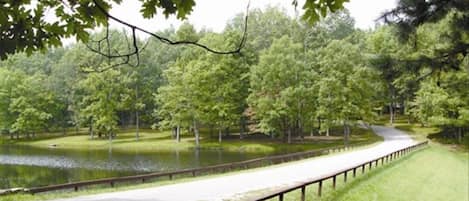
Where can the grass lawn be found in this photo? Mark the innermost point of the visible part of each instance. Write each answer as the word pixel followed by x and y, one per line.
pixel 432 174
pixel 160 141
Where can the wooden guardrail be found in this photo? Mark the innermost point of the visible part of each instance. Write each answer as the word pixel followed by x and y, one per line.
pixel 195 171
pixel 302 186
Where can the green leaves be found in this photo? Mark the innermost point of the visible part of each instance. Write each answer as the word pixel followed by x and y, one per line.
pixel 315 9
pixel 180 8
pixel 277 85
pixel 148 8
pixel 444 105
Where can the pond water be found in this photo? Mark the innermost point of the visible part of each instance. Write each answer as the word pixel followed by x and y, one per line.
pixel 23 166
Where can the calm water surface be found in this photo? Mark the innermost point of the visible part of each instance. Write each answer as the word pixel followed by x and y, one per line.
pixel 22 166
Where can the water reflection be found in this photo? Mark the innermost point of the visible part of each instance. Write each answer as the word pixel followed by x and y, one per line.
pixel 22 166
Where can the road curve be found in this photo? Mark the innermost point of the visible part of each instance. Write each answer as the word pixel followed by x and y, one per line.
pixel 226 187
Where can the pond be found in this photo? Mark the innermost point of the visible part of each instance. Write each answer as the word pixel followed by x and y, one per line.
pixel 24 166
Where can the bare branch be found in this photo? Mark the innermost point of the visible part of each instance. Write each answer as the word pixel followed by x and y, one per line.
pixel 182 42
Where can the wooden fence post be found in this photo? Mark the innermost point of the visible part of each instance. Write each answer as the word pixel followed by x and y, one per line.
pixel 303 193
pixel 320 188
pixel 333 181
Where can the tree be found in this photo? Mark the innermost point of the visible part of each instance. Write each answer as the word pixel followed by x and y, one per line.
pixel 32 105
pixel 384 48
pixel 445 105
pixel 345 85
pixel 281 89
pixel 409 15
pixel 179 100
pixel 104 93
pixel 225 85
pixel 9 81
pixel 336 26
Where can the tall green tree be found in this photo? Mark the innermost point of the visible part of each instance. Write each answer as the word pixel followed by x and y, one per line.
pixel 345 86
pixel 104 97
pixel 281 89
pixel 445 104
pixel 32 106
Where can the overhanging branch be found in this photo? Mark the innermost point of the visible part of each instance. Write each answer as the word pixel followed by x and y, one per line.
pixel 135 50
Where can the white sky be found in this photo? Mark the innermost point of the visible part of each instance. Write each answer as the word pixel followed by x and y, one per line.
pixel 214 14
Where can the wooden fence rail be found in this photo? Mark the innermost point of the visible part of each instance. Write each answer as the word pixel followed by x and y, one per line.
pixel 302 186
pixel 195 171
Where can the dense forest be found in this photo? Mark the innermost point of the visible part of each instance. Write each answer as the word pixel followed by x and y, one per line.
pixel 290 79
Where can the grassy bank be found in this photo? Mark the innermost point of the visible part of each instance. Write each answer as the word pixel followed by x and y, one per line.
pixel 160 141
pixel 432 174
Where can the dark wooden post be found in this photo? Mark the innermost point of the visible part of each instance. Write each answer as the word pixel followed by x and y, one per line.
pixel 333 181
pixel 320 188
pixel 345 176
pixel 354 171
pixel 303 193
pixel 363 169
pixel 280 197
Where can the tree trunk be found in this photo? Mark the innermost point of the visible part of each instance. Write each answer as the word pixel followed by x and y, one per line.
pixel 227 131
pixel 346 132
pixel 173 132
pixel 211 131
pixel 391 114
pixel 241 128
pixel 327 132
pixel 219 134
pixel 137 119
pixel 137 126
pixel 300 130
pixel 178 133
pixel 319 124
pixel 91 130
pixel 459 135
pixel 196 131
pixel 289 135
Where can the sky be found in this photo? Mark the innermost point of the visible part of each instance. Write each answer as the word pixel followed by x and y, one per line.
pixel 213 14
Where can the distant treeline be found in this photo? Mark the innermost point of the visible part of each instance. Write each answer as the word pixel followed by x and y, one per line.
pixel 290 78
